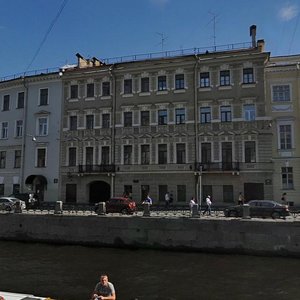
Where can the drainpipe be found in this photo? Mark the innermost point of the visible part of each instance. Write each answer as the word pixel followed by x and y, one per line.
pixel 113 126
pixel 24 135
pixel 196 113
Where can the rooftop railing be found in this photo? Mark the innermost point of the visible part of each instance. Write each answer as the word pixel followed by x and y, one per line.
pixel 140 57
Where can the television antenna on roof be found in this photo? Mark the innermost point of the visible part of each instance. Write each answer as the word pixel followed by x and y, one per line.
pixel 213 20
pixel 163 38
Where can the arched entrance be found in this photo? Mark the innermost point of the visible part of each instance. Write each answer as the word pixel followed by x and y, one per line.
pixel 99 191
pixel 37 184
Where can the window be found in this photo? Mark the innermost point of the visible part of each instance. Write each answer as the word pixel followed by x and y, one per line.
pixel 145 87
pixel 181 193
pixel 74 91
pixel 145 154
pixel 19 128
pixel 43 96
pixel 72 156
pixel 162 154
pixel 287 178
pixel 204 79
pixel 206 153
pixel 4 130
pixel 41 157
pixel 106 88
pixel 42 126
pixel 2 159
pixel 17 162
pixel 225 113
pixel 228 193
pixel 1 189
pixel 127 86
pixel 105 120
pixel 89 121
pixel 16 188
pixel 281 93
pixel 73 122
pixel 180 115
pixel 162 117
pixel 128 119
pixel 105 155
pixel 179 81
pixel 20 100
pixel 127 155
pixel 250 152
pixel 145 118
pixel 162 83
pixel 249 112
pixel 248 76
pixel 205 115
pixel 224 78
pixel 162 190
pixel 71 193
pixel 89 156
pixel 90 90
pixel 6 100
pixel 285 136
pixel 180 153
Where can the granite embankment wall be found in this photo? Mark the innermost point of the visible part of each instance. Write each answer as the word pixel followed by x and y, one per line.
pixel 266 237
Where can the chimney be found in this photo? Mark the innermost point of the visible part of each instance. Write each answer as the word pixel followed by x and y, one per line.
pixel 253 35
pixel 82 62
pixel 261 45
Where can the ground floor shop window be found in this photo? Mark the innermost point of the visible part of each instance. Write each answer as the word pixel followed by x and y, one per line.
pixel 228 193
pixel 162 190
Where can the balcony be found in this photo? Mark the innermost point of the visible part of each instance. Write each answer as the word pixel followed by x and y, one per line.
pixel 234 166
pixel 96 169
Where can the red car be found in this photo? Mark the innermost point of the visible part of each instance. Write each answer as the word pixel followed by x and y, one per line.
pixel 119 205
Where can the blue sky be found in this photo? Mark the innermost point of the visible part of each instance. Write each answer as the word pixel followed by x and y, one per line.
pixel 34 35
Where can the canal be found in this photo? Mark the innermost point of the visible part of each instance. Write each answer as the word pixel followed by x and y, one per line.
pixel 71 272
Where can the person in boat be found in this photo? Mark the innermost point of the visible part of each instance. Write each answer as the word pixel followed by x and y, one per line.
pixel 104 290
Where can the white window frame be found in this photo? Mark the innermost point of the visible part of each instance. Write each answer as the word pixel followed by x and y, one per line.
pixel 284 123
pixel 42 128
pixel 4 130
pixel 19 129
pixel 279 99
pixel 36 157
pixel 249 114
pixel 40 98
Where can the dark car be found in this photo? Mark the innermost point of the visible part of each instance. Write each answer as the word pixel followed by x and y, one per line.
pixel 259 208
pixel 121 205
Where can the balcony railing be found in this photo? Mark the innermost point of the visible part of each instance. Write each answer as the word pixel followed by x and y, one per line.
pixel 234 166
pixel 96 168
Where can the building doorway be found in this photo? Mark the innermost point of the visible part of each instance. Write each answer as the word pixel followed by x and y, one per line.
pixel 99 191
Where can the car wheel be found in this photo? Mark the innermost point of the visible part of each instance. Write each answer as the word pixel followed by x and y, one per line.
pixel 8 208
pixel 232 213
pixel 124 211
pixel 275 215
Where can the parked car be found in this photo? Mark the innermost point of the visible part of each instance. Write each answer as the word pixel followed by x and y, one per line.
pixel 9 203
pixel 121 205
pixel 259 208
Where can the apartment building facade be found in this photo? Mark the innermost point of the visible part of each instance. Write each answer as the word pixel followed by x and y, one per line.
pixel 283 102
pixel 191 125
pixel 30 119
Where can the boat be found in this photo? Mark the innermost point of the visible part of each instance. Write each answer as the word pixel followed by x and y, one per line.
pixel 17 296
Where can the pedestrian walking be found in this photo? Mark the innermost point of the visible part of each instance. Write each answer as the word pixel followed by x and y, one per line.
pixel 241 199
pixel 167 200
pixel 208 206
pixel 192 203
pixel 284 199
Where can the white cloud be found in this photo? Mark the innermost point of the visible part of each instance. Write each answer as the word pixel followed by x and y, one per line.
pixel 160 3
pixel 288 12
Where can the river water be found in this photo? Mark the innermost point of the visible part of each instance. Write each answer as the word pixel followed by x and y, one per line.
pixel 71 272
